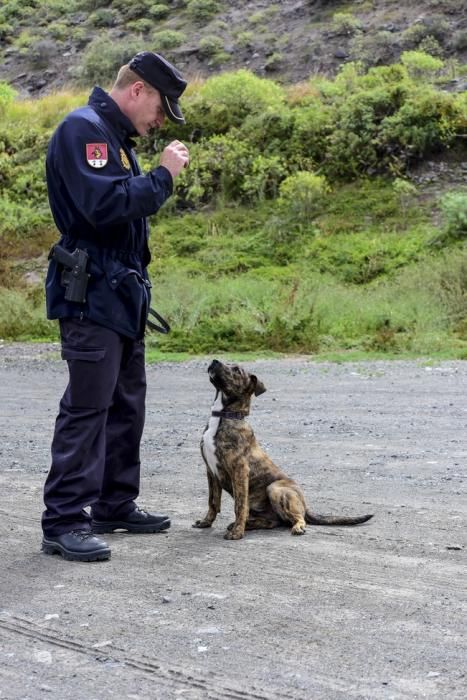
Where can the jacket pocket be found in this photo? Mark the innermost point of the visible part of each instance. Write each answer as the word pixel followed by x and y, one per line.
pixel 131 295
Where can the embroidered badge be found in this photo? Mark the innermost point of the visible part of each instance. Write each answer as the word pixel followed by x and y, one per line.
pixel 97 154
pixel 124 159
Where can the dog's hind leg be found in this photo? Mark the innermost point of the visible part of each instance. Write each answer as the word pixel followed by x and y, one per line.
pixel 289 505
pixel 214 502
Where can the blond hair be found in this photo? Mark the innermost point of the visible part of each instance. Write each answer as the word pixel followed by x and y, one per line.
pixel 126 77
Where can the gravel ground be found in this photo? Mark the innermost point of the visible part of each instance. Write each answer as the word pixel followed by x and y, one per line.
pixel 375 611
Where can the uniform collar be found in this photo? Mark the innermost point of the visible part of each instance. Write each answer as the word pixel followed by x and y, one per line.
pixel 104 105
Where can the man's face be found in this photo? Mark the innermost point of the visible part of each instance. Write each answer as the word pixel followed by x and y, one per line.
pixel 148 112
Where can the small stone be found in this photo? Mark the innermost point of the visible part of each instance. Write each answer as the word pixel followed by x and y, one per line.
pixel 341 54
pixel 166 599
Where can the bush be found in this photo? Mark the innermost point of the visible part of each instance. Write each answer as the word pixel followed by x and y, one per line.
pixel 103 17
pixel 224 101
pixel 167 39
pixel 421 66
pixel 303 196
pixel 263 180
pixel 7 95
pixel 159 11
pixel 133 9
pixel 202 10
pixel 345 23
pixel 373 49
pixel 210 45
pixel 141 25
pixel 454 210
pixel 22 316
pixel 103 57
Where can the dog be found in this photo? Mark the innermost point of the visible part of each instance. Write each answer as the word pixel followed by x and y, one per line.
pixel 264 496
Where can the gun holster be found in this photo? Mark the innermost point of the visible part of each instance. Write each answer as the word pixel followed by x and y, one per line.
pixel 75 277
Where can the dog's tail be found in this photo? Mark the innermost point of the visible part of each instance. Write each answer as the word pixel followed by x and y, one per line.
pixel 317 519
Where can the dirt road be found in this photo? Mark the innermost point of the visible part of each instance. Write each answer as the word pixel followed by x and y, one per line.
pixel 376 611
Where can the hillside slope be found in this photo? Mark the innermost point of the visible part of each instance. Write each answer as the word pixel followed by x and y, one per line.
pixel 46 44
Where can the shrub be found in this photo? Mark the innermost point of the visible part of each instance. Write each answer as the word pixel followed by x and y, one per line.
pixel 102 17
pixel 431 46
pixel 405 192
pixel 454 209
pixel 424 123
pixel 413 35
pixel 436 27
pixel 6 31
pixel 7 95
pixel 133 9
pixel 459 40
pixel 202 10
pixel 303 195
pixel 373 49
pixel 345 23
pixel 246 40
pixel 168 39
pixel 103 57
pixel 421 66
pixel 226 100
pixel 42 53
pixel 159 11
pixel 58 31
pixel 210 45
pixel 22 316
pixel 263 180
pixel 141 25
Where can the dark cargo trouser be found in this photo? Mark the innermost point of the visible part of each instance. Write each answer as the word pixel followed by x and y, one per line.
pixel 95 448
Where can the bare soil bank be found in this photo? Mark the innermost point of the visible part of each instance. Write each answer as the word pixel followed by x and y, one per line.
pixel 376 611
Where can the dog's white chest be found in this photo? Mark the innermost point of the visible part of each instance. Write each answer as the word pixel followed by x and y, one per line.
pixel 209 445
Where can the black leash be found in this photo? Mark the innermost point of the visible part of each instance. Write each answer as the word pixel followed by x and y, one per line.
pixel 164 326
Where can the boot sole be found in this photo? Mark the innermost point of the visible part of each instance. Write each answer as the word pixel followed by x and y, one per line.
pixel 55 548
pixel 100 528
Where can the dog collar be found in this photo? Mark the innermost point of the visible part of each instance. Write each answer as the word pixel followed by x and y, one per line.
pixel 235 415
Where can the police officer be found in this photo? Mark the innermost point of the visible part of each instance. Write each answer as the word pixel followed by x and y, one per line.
pixel 100 200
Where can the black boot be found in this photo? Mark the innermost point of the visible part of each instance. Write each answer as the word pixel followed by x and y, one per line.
pixel 136 521
pixel 77 545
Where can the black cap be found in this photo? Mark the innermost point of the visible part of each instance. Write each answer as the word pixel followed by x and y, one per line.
pixel 163 76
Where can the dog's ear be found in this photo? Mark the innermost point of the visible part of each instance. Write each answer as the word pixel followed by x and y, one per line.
pixel 259 387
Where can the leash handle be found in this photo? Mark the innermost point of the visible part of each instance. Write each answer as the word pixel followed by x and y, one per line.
pixel 162 328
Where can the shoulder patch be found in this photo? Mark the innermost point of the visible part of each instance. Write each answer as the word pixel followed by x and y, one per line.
pixel 97 154
pixel 124 159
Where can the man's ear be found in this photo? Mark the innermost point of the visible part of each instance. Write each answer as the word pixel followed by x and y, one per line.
pixel 259 387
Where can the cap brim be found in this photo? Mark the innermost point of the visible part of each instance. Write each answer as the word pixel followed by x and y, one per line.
pixel 172 110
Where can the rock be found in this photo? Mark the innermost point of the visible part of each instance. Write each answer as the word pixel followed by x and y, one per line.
pixel 341 54
pixel 32 278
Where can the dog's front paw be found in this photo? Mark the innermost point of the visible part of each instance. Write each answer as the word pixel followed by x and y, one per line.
pixel 298 530
pixel 202 523
pixel 233 534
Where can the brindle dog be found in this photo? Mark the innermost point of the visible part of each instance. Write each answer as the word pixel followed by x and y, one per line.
pixel 264 496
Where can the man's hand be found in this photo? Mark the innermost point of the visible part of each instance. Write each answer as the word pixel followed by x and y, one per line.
pixel 175 157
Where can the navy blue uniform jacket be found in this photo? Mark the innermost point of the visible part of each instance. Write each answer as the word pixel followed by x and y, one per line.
pixel 103 210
